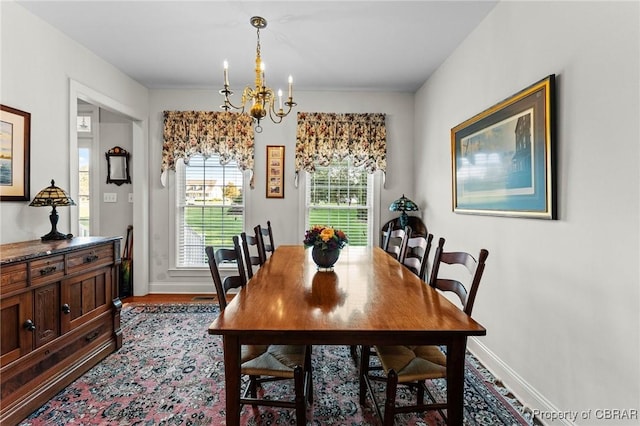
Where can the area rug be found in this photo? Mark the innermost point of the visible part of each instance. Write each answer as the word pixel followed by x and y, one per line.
pixel 169 371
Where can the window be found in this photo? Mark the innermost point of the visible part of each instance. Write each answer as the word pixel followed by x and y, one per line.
pixel 88 179
pixel 210 208
pixel 84 188
pixel 340 195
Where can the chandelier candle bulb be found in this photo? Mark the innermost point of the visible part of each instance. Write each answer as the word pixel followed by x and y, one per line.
pixel 280 99
pixel 290 87
pixel 226 73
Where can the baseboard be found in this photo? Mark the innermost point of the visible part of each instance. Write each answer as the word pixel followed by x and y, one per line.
pixel 527 394
pixel 182 288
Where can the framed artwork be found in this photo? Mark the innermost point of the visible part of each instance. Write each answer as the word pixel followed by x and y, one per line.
pixel 15 128
pixel 275 171
pixel 502 159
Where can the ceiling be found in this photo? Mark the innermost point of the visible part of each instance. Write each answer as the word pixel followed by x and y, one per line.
pixel 324 45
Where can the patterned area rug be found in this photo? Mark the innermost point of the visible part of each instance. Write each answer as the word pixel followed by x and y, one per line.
pixel 169 371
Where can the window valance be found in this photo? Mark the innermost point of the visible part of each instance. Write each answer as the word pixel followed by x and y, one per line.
pixel 187 133
pixel 323 137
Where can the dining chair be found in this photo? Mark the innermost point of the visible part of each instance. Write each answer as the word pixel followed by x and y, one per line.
pixel 413 365
pixel 395 241
pixel 251 260
pixel 264 363
pixel 416 254
pixel 262 234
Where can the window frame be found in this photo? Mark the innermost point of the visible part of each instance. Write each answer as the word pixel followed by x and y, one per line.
pixel 374 185
pixel 90 140
pixel 176 270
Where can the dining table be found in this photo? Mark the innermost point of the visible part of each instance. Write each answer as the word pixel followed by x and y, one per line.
pixel 368 298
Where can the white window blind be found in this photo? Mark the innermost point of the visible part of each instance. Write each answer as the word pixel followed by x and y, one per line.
pixel 340 195
pixel 210 208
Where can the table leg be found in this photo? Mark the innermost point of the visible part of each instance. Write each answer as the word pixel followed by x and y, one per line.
pixel 232 379
pixel 455 381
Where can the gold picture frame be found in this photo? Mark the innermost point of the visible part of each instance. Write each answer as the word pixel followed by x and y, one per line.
pixel 15 139
pixel 275 171
pixel 503 158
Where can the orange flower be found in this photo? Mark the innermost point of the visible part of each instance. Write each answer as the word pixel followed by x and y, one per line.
pixel 327 234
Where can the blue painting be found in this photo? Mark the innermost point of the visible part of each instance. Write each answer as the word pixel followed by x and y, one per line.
pixel 15 133
pixel 6 153
pixel 502 158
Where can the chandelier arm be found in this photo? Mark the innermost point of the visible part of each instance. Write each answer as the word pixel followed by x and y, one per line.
pixel 289 104
pixel 229 105
pixel 272 112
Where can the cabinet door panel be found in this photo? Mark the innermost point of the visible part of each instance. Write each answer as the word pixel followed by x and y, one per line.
pixel 85 297
pixel 16 339
pixel 46 303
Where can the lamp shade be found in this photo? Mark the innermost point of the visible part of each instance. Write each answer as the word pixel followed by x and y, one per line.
pixel 52 196
pixel 403 204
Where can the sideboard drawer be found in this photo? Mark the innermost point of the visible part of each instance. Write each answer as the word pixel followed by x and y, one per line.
pixel 89 258
pixel 14 277
pixel 49 269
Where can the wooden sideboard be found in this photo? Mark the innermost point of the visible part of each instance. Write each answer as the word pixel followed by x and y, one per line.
pixel 60 315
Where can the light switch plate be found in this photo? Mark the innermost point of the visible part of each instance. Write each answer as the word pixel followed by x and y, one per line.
pixel 131 197
pixel 110 197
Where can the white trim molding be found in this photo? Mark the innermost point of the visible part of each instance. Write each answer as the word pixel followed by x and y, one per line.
pixel 533 400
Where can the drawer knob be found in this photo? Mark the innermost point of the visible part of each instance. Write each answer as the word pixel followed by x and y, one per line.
pixel 91 258
pixel 48 270
pixel 29 325
pixel 66 308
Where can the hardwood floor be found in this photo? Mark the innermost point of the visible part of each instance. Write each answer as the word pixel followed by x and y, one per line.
pixel 171 298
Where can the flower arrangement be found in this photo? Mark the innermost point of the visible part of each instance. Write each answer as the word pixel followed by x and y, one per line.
pixel 325 238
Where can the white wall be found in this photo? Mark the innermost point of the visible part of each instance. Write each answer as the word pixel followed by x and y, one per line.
pixel 38 62
pixel 560 299
pixel 283 213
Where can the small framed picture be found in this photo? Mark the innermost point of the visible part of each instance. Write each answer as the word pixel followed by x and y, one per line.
pixel 15 128
pixel 275 171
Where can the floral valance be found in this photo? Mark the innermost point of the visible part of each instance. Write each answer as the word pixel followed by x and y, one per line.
pixel 187 133
pixel 323 137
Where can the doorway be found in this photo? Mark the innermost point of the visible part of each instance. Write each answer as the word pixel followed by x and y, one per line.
pixel 119 121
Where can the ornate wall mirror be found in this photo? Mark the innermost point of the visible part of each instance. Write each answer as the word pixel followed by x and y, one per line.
pixel 118 166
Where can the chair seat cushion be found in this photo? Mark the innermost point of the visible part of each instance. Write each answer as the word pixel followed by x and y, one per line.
pixel 413 363
pixel 272 360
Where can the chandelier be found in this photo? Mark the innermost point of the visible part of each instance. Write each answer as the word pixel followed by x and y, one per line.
pixel 261 98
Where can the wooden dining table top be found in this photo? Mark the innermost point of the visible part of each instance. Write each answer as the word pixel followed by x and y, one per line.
pixel 369 294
